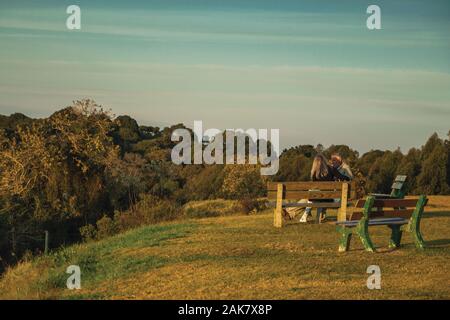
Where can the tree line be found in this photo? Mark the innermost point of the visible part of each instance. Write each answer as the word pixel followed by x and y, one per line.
pixel 83 173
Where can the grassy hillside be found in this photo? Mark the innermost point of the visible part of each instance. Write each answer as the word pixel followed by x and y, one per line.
pixel 241 257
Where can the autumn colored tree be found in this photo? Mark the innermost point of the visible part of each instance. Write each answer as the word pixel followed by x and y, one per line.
pixel 243 181
pixel 52 172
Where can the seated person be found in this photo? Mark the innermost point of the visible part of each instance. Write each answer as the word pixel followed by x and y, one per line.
pixel 320 171
pixel 341 170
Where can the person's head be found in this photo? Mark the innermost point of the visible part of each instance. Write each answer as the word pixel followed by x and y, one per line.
pixel 319 167
pixel 336 160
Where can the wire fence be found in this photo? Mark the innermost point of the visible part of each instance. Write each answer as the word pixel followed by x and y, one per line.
pixel 33 240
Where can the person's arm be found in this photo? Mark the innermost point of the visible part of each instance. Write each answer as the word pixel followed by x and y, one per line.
pixel 339 176
pixel 347 170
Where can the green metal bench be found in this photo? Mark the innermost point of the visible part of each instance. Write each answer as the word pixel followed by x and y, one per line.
pixel 393 213
pixel 398 189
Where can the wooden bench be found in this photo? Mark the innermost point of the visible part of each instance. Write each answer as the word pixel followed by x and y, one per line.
pixel 393 213
pixel 284 193
pixel 397 189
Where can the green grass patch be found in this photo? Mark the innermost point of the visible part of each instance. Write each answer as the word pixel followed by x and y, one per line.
pixel 103 260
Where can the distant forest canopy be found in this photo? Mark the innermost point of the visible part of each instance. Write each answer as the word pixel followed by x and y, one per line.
pixel 82 172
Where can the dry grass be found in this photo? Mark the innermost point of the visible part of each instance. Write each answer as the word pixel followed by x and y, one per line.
pixel 243 257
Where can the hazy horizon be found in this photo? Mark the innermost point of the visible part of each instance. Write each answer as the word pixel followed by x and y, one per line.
pixel 310 68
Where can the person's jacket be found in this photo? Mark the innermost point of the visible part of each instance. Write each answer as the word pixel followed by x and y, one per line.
pixel 345 170
pixel 333 175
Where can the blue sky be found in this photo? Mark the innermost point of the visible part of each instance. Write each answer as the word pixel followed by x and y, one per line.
pixel 310 68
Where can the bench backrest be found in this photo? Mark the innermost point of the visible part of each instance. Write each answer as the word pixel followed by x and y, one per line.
pixel 311 190
pixel 388 208
pixel 398 190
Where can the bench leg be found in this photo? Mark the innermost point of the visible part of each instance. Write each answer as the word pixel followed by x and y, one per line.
pixel 345 238
pixel 318 214
pixel 278 213
pixel 362 230
pixel 396 236
pixel 418 239
pixel 414 224
pixel 278 218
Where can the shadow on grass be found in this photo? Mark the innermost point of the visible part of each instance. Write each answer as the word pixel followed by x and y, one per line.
pixel 438 243
pixel 311 220
pixel 436 214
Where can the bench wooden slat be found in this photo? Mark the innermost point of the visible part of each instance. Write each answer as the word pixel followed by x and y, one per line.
pixel 389 203
pixel 287 204
pixel 306 185
pixel 405 214
pixel 397 185
pixel 375 222
pixel 312 205
pixel 378 220
pixel 380 195
pixel 400 178
pixel 297 195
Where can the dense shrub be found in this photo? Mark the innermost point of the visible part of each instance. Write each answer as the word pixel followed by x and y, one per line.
pixel 243 181
pixel 88 232
pixel 148 210
pixel 106 227
pixel 251 205
pixel 211 208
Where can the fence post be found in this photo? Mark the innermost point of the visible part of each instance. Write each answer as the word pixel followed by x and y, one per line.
pixel 13 240
pixel 46 243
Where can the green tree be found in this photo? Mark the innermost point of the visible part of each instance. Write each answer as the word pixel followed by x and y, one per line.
pixel 410 166
pixel 367 160
pixel 382 173
pixel 127 132
pixel 349 155
pixel 206 183
pixel 433 176
pixel 447 144
pixel 295 163
pixel 127 178
pixel 430 145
